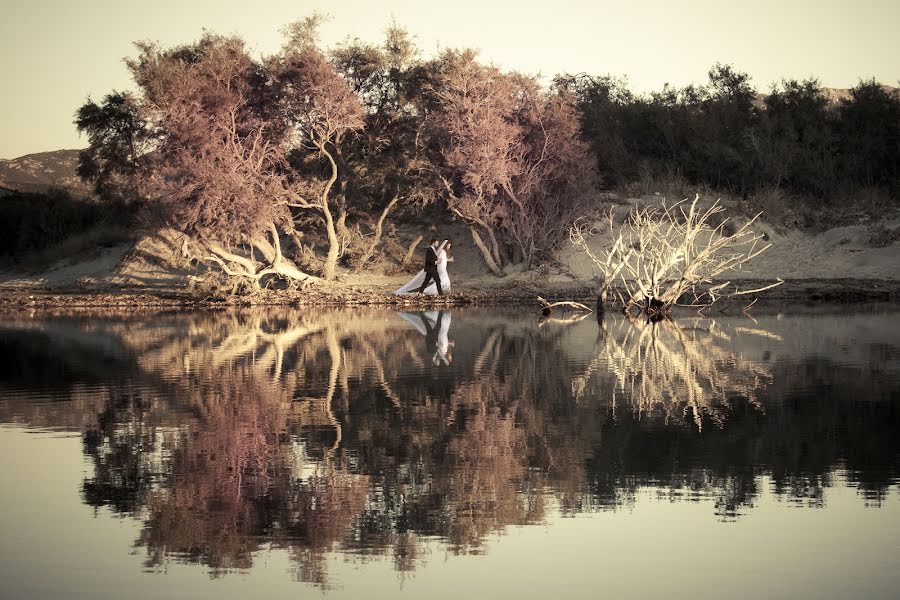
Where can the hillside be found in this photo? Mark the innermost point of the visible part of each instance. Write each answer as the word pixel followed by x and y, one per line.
pixel 42 171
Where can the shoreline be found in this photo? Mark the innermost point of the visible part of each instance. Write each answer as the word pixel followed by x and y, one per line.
pixel 337 295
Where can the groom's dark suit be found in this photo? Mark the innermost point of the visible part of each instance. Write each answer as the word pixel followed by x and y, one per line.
pixel 431 271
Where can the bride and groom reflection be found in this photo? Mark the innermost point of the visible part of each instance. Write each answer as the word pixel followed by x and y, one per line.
pixel 435 326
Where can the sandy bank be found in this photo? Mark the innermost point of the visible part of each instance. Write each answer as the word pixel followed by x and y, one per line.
pixel 843 263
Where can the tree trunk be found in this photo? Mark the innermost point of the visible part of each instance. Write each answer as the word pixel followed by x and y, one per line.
pixel 221 253
pixel 495 248
pixel 283 266
pixel 247 268
pixel 410 250
pixel 334 244
pixel 377 238
pixel 334 247
pixel 489 260
pixel 529 255
pixel 342 231
pixel 266 248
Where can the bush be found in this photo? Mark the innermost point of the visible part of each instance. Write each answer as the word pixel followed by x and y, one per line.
pixel 39 229
pixel 726 136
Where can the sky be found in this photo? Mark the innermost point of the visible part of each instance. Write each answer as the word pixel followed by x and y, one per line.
pixel 55 54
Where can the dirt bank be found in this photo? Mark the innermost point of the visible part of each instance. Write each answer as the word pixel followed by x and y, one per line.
pixel 791 292
pixel 845 263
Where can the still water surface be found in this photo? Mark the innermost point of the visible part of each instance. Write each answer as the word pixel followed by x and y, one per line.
pixel 373 453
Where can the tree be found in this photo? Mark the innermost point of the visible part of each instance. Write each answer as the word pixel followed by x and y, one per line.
pixel 386 168
pixel 235 151
pixel 120 138
pixel 509 157
pixel 605 106
pixel 870 135
pixel 217 165
pixel 793 143
pixel 320 111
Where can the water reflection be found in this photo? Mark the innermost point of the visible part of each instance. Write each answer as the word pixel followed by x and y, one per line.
pixel 371 432
pixel 675 369
pixel 435 326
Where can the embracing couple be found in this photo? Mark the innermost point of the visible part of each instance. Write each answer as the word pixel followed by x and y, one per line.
pixel 433 279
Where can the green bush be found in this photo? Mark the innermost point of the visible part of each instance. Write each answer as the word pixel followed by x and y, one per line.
pixel 725 136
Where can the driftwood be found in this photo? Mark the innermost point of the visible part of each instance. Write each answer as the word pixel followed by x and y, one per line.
pixel 547 310
pixel 663 253
pixel 573 318
pixel 549 306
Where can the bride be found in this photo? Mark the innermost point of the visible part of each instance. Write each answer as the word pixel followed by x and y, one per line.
pixel 443 257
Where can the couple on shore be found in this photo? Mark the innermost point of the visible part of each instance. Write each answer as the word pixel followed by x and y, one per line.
pixel 433 279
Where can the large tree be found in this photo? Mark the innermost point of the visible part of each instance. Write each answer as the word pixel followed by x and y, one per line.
pixel 321 111
pixel 386 170
pixel 217 166
pixel 510 158
pixel 235 150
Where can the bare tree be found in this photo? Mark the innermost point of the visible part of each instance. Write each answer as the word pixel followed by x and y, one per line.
pixel 661 254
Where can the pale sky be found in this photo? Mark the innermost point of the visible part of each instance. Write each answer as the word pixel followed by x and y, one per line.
pixel 54 54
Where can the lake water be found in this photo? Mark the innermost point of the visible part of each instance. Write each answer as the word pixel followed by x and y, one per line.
pixel 464 453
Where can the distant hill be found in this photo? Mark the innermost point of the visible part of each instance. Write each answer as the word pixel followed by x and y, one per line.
pixel 42 171
pixel 835 95
pixel 832 95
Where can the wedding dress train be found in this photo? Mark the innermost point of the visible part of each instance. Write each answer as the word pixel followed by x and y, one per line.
pixel 415 283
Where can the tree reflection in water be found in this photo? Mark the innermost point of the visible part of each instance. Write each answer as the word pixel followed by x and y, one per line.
pixel 226 433
pixel 673 370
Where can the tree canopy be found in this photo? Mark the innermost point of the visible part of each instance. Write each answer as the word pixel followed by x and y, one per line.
pixel 291 164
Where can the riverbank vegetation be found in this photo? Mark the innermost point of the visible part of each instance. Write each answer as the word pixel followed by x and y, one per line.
pixel 290 168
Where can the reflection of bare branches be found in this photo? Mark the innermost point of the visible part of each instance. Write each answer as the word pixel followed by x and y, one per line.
pixel 378 366
pixel 489 352
pixel 320 432
pixel 662 368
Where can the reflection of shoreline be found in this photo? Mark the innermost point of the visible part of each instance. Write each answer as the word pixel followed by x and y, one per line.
pixel 225 425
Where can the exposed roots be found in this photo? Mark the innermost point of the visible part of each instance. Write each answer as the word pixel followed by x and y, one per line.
pixel 242 273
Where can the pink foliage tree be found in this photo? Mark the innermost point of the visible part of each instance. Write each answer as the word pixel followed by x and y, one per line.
pixel 320 110
pixel 229 129
pixel 511 160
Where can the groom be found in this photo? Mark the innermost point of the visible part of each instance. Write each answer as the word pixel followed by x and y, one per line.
pixel 431 271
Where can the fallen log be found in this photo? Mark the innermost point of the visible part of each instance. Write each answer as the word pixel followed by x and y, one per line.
pixel 549 306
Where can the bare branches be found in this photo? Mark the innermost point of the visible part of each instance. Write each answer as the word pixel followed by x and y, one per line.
pixel 662 253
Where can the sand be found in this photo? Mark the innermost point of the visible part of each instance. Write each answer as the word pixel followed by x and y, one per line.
pixel 153 264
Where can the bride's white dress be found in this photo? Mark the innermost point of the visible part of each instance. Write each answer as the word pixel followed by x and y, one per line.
pixel 413 284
